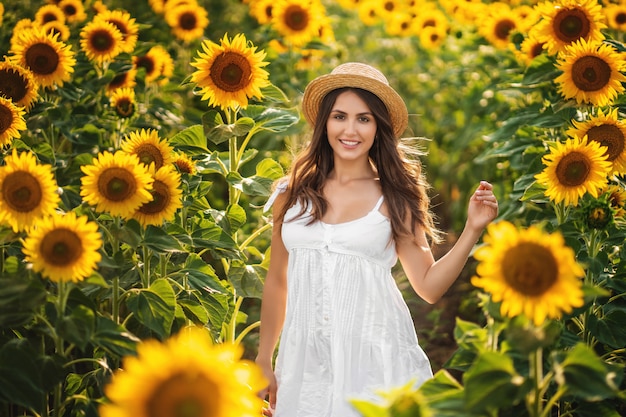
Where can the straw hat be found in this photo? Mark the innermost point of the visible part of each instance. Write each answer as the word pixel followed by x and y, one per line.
pixel 356 74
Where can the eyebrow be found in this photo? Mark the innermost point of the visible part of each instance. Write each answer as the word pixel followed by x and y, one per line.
pixel 367 113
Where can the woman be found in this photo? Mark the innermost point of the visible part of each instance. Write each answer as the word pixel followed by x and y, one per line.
pixel 353 204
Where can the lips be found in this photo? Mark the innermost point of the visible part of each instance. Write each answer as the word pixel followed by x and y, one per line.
pixel 349 142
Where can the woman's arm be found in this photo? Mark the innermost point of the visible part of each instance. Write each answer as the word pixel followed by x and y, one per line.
pixel 431 279
pixel 273 304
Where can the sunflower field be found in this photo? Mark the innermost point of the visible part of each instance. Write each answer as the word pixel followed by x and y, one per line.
pixel 140 141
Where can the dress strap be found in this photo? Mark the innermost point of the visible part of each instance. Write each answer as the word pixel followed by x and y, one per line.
pixel 281 186
pixel 379 203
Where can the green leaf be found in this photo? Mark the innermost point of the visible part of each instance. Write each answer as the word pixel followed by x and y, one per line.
pixel 191 141
pixel 273 93
pixel 236 216
pixel 269 168
pixel 218 132
pixel 272 119
pixel 444 395
pixel 154 307
pixel 583 374
pixel 201 276
pixel 369 409
pixel 254 185
pixel 79 326
pixel 114 338
pixel 157 239
pixel 492 382
pixel 193 309
pixel 19 301
pixel 20 375
pixel 247 279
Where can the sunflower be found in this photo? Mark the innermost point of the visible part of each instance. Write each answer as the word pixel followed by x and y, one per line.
pixel 19 28
pixel 616 196
pixel 166 198
pixel 11 121
pixel 116 183
pixel 183 163
pixel 49 13
pixel 63 247
pixel 591 73
pixel 126 79
pixel 231 73
pixel 56 27
pixel 166 68
pixel 497 27
pixel 609 131
pixel 158 6
pixel 574 168
pixel 261 10
pixel 74 10
pixel 432 37
pixel 152 62
pixel 187 21
pixel 399 24
pixel 565 22
pixel 126 24
pixel 530 271
pixel 101 40
pixel 50 60
pixel 297 21
pixel 616 16
pixel 148 147
pixel 28 191
pixel 530 49
pixel 368 12
pixel 17 84
pixel 123 102
pixel 429 16
pixel 172 378
pixel 99 7
pixel 527 17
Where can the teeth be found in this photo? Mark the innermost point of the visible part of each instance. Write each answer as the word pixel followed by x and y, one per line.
pixel 349 142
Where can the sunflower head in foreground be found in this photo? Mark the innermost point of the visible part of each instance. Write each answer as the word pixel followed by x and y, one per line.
pixel 148 147
pixel 230 73
pixel 50 60
pixel 11 121
pixel 17 84
pixel 101 41
pixel 608 130
pixel 574 168
pixel 187 375
pixel 116 183
pixel 166 198
pixel 126 24
pixel 564 22
pixel 28 191
pixel 591 73
pixel 63 247
pixel 530 271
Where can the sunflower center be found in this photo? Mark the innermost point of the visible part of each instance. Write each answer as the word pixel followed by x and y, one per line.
pixel 21 191
pixel 146 63
pixel 125 108
pixel 610 136
pixel 591 73
pixel 504 28
pixel 148 153
pixel 160 199
pixel 571 25
pixel 6 119
pixel 49 17
pixel 389 6
pixel 231 72
pixel 119 80
pixel 120 26
pixel 61 247
pixel 620 19
pixel 529 268
pixel 536 50
pixel 573 169
pixel 13 85
pixel 42 58
pixel 188 21
pixel 296 18
pixel 117 184
pixel 102 41
pixel 70 10
pixel 184 395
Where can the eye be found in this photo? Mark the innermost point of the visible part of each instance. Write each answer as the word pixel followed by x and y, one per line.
pixel 339 116
pixel 364 119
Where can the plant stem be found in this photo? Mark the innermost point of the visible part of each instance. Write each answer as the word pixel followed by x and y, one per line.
pixel 534 397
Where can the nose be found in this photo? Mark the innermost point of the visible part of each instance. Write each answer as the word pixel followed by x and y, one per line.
pixel 350 129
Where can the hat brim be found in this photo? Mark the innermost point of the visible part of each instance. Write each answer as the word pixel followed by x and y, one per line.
pixel 322 85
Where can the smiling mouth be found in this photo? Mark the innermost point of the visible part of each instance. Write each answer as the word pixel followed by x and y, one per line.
pixel 349 142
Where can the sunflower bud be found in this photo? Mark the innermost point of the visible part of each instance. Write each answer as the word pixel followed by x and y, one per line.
pixel 598 214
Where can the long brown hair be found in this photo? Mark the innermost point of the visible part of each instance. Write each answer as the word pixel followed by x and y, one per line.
pixel 399 169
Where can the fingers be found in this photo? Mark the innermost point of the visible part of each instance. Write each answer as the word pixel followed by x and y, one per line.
pixel 484 194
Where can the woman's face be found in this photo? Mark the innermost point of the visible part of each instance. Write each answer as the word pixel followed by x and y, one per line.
pixel 351 127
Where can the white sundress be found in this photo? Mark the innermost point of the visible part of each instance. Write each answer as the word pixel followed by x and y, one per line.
pixel 348 332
